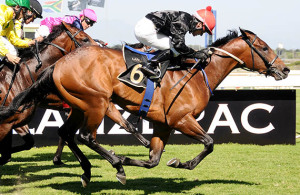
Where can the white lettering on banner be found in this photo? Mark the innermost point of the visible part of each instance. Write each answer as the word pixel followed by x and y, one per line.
pixel 100 129
pixel 30 130
pixel 146 128
pixel 223 109
pixel 245 122
pixel 58 122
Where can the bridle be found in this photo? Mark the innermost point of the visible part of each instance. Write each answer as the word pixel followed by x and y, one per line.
pixel 72 36
pixel 77 44
pixel 268 64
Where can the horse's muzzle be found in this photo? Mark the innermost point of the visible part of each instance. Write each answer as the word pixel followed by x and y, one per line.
pixel 279 74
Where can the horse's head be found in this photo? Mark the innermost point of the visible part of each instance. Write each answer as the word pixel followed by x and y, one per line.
pixel 263 59
pixel 77 36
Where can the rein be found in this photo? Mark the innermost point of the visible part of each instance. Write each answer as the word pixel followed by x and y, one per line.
pixel 11 83
pixel 229 54
pixel 58 47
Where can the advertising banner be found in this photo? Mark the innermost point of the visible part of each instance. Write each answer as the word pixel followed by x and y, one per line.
pixel 245 116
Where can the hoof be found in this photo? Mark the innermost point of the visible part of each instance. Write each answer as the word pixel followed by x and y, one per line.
pixel 4 161
pixel 57 162
pixel 121 178
pixel 112 152
pixel 147 145
pixel 84 180
pixel 173 162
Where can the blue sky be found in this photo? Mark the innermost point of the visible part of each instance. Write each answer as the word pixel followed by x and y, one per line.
pixel 274 21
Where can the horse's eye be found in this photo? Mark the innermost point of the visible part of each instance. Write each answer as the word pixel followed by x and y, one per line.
pixel 85 39
pixel 265 49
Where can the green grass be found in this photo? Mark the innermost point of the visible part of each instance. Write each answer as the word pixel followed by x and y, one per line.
pixel 230 169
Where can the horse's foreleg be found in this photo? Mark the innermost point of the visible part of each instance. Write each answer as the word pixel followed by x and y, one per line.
pixel 26 136
pixel 158 141
pixel 190 127
pixel 114 114
pixel 67 133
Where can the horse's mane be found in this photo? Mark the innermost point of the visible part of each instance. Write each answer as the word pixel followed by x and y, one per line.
pixel 27 53
pixel 222 41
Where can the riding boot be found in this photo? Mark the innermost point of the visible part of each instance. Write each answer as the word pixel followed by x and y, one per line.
pixel 150 68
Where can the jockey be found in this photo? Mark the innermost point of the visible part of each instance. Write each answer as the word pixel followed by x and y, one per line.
pixel 36 12
pixel 166 30
pixel 87 18
pixel 14 10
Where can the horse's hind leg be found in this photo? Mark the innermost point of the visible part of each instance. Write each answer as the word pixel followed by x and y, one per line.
pixel 60 147
pixel 26 136
pixel 58 153
pixel 93 118
pixel 114 114
pixel 161 134
pixel 190 127
pixel 5 149
pixel 67 133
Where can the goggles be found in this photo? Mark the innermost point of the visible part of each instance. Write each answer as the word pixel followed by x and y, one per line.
pixel 89 21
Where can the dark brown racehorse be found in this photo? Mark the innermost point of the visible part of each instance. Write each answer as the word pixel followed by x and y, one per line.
pixel 87 80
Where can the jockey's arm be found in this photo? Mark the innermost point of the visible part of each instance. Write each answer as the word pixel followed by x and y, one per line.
pixel 16 40
pixel 6 15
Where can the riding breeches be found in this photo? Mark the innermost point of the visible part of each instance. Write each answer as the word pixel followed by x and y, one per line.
pixel 11 48
pixel 146 33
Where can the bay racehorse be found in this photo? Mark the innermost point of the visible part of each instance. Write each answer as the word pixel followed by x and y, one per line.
pixel 87 80
pixel 63 39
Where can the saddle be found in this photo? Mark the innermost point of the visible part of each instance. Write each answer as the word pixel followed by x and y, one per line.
pixel 135 59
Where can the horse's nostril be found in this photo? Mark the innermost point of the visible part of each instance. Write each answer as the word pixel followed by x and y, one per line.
pixel 286 70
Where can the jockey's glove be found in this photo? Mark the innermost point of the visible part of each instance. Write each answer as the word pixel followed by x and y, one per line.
pixel 202 54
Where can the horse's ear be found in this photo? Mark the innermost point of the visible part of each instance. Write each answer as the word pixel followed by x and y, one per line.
pixel 243 32
pixel 65 25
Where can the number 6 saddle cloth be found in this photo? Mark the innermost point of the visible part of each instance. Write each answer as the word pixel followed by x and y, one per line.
pixel 135 59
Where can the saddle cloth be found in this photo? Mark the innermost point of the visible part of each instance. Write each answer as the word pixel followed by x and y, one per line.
pixel 135 59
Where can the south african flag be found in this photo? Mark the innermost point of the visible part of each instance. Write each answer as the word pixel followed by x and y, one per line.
pixel 52 6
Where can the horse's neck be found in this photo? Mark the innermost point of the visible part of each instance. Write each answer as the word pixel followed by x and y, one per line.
pixel 49 55
pixel 219 68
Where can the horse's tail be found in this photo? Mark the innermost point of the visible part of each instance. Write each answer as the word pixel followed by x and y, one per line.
pixel 31 96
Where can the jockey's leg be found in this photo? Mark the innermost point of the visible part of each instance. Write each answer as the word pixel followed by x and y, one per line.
pixel 150 68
